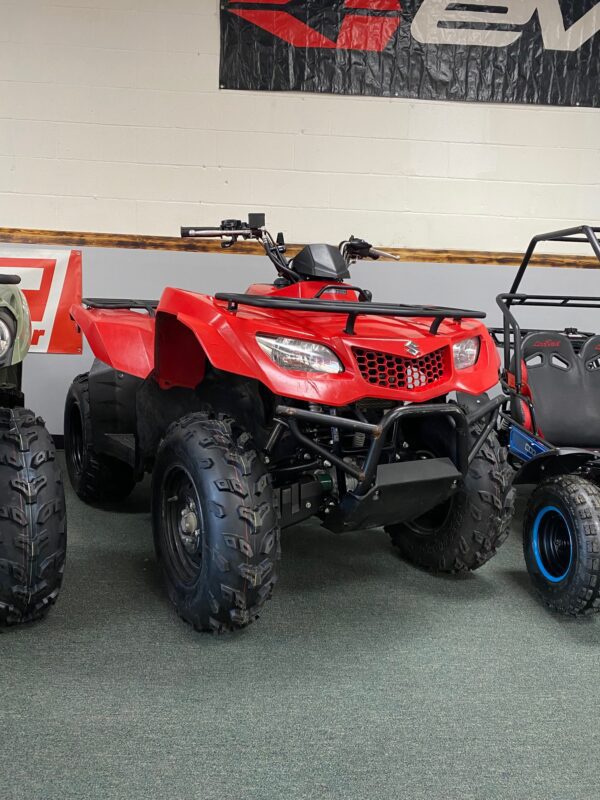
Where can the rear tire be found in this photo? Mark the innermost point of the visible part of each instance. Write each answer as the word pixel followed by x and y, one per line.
pixel 465 532
pixel 33 537
pixel 561 544
pixel 95 477
pixel 215 526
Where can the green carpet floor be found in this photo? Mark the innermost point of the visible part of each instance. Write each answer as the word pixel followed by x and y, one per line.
pixel 364 679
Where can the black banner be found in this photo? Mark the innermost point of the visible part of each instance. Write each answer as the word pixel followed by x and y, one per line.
pixel 516 51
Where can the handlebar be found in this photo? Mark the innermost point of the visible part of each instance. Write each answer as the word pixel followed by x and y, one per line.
pixel 375 254
pixel 355 249
pixel 214 233
pixel 230 230
pixel 9 280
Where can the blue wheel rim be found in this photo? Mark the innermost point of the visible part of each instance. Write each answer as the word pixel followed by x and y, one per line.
pixel 552 542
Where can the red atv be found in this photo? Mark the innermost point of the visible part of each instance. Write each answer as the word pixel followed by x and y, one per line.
pixel 296 399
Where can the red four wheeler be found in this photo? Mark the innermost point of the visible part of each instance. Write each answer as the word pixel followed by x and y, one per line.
pixel 299 398
pixel 553 380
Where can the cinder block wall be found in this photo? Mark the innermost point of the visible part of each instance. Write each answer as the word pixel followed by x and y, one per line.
pixel 111 120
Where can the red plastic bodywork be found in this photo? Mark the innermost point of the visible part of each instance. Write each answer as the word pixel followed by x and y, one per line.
pixel 525 390
pixel 190 328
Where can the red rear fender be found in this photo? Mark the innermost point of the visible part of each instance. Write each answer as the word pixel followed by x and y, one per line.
pixel 122 339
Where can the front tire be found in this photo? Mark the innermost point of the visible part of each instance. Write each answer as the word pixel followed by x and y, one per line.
pixel 561 544
pixel 33 537
pixel 95 477
pixel 465 532
pixel 215 526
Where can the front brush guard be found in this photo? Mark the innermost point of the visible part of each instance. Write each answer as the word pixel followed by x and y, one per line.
pixel 366 475
pixel 397 491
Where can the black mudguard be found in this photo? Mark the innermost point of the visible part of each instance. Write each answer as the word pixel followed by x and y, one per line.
pixel 560 461
pixel 112 407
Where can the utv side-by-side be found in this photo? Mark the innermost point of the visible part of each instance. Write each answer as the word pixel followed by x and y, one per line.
pixel 553 380
pixel 32 504
pixel 295 399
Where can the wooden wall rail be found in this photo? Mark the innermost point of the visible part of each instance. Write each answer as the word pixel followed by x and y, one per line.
pixel 131 241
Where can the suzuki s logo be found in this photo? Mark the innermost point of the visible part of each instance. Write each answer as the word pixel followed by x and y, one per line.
pixel 359 30
pixel 370 25
pixel 412 348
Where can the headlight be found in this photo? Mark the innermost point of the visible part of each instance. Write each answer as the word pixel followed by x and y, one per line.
pixel 466 352
pixel 6 338
pixel 299 355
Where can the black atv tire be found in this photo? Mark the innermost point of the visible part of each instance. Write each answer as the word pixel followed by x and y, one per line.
pixel 95 477
pixel 465 532
pixel 215 526
pixel 33 537
pixel 561 543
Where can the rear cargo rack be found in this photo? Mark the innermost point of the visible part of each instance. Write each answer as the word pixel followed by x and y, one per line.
pixel 115 303
pixel 351 309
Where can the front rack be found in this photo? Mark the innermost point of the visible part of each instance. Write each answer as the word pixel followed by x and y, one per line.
pixel 356 309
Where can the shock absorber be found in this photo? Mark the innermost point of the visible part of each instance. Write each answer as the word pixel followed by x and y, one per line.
pixel 358 440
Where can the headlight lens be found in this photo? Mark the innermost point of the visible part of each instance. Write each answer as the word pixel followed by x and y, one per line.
pixel 6 338
pixel 466 352
pixel 299 355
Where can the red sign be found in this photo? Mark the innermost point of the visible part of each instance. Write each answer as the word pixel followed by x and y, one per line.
pixel 51 282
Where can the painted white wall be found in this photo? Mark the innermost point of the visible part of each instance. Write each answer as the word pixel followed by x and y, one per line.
pixel 111 120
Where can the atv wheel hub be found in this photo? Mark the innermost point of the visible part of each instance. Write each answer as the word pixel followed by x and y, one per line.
pixel 189 529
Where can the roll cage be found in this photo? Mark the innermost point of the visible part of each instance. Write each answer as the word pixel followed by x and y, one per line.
pixel 510 336
pixel 529 444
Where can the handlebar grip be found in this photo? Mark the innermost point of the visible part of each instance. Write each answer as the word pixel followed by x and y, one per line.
pixel 191 233
pixel 375 254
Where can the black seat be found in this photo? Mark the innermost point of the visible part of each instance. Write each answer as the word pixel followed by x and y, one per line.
pixel 565 388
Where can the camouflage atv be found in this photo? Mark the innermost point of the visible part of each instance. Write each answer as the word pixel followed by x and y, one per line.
pixel 32 503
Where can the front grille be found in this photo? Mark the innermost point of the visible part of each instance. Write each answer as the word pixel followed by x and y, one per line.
pixel 398 372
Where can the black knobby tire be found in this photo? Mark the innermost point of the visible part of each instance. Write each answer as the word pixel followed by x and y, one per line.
pixel 561 543
pixel 33 536
pixel 94 476
pixel 465 532
pixel 215 524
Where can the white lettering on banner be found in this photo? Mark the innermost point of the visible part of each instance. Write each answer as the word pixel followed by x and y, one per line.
pixel 429 24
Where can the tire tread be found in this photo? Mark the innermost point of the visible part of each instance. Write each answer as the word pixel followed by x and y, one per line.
pixel 32 519
pixel 245 544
